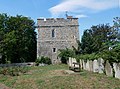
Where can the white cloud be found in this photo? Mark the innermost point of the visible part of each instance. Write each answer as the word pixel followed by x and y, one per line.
pixel 81 16
pixel 82 6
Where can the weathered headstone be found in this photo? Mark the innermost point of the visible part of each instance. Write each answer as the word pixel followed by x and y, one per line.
pixel 84 65
pixel 116 67
pixel 95 66
pixel 87 65
pixel 108 69
pixel 81 63
pixel 101 66
pixel 91 65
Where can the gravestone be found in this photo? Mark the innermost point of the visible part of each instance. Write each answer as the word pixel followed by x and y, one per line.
pixel 87 65
pixel 108 69
pixel 81 63
pixel 101 66
pixel 84 65
pixel 116 67
pixel 91 65
pixel 95 66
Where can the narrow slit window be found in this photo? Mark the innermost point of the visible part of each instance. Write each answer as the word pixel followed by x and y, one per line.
pixel 54 49
pixel 53 33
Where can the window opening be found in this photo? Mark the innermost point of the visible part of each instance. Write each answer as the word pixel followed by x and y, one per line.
pixel 53 33
pixel 54 49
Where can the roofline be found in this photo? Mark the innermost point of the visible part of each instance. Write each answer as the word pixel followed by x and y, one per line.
pixel 54 18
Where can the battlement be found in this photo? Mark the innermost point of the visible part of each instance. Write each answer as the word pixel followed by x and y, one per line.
pixel 47 19
pixel 58 21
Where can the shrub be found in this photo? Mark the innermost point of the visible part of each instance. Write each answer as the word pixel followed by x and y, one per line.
pixel 65 54
pixel 13 71
pixel 44 60
pixel 37 61
pixel 86 57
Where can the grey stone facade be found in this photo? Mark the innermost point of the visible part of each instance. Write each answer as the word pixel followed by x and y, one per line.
pixel 55 34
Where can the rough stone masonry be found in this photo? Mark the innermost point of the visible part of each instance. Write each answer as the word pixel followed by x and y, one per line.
pixel 55 34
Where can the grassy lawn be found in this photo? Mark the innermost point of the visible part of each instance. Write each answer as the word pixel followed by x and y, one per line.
pixel 56 77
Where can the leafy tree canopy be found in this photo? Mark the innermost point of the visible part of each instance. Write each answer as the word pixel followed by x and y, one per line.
pixel 97 38
pixel 17 38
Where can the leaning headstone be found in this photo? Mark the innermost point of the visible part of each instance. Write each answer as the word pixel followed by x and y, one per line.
pixel 87 65
pixel 81 63
pixel 91 65
pixel 84 65
pixel 101 66
pixel 70 61
pixel 116 67
pixel 108 69
pixel 95 66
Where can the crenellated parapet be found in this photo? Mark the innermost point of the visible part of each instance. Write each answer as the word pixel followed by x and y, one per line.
pixel 54 22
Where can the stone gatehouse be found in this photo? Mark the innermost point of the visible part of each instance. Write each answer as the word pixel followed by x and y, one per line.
pixel 55 34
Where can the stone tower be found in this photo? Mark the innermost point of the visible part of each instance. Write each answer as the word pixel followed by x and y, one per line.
pixel 55 34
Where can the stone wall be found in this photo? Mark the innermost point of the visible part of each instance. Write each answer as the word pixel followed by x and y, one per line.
pixel 18 64
pixel 65 35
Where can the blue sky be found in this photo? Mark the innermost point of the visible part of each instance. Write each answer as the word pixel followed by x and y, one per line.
pixel 89 12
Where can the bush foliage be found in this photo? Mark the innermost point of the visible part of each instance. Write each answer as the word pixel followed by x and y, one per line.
pixel 44 60
pixel 65 54
pixel 13 71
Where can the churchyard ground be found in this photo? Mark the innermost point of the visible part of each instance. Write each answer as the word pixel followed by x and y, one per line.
pixel 58 77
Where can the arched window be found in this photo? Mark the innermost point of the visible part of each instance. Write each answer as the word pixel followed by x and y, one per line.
pixel 53 33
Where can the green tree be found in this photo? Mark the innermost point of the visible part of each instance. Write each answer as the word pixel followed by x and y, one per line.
pixel 3 30
pixel 97 38
pixel 19 39
pixel 86 42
